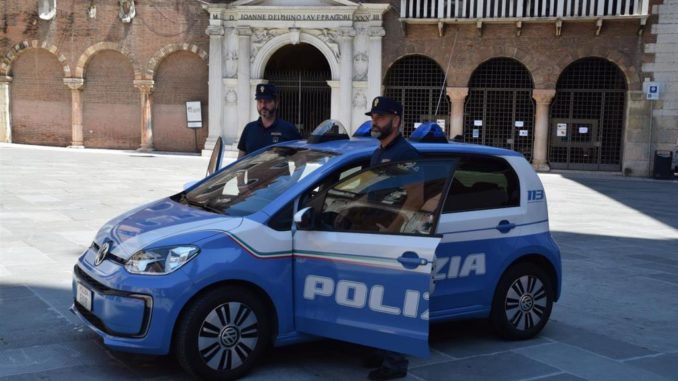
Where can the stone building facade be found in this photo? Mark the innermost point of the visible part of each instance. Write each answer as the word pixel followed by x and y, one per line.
pixel 563 85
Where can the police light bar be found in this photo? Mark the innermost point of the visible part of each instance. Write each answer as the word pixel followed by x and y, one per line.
pixel 327 131
pixel 364 131
pixel 429 132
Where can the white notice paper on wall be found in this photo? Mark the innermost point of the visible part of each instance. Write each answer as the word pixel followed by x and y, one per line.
pixel 478 123
pixel 441 123
pixel 520 123
pixel 476 133
pixel 583 130
pixel 524 132
pixel 561 130
pixel 416 125
pixel 193 114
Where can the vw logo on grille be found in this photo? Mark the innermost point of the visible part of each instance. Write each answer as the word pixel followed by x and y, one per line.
pixel 101 254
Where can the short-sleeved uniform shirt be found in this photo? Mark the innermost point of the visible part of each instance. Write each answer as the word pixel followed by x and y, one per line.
pixel 399 149
pixel 256 136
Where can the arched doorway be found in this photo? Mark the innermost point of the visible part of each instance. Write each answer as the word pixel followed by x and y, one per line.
pixel 181 77
pixel 499 110
pixel 419 84
pixel 110 103
pixel 300 72
pixel 587 116
pixel 41 103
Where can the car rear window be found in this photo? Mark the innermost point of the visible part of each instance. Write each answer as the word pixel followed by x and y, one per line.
pixel 482 183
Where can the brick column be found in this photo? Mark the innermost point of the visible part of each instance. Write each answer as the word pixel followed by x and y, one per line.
pixel 457 97
pixel 543 98
pixel 5 118
pixel 145 87
pixel 75 84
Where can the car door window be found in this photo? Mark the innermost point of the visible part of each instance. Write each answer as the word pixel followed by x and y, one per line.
pixel 282 220
pixel 482 183
pixel 400 197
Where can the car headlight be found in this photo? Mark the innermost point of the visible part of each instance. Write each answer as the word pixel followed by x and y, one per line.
pixel 160 260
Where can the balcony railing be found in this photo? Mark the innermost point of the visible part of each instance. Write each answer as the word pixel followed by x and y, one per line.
pixel 488 10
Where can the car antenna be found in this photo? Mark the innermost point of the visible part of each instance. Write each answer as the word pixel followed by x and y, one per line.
pixel 447 70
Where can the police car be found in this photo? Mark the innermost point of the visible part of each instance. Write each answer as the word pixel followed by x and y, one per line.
pixel 289 244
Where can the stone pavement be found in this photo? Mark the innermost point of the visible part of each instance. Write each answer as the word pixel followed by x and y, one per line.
pixel 616 320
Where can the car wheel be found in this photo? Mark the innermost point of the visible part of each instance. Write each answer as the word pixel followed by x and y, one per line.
pixel 222 335
pixel 522 302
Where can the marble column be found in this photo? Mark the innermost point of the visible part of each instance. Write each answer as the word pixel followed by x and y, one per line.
pixel 75 84
pixel 457 97
pixel 5 116
pixel 215 108
pixel 334 102
pixel 543 98
pixel 145 87
pixel 245 98
pixel 346 75
pixel 374 74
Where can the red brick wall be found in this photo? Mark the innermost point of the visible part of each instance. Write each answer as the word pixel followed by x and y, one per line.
pixel 40 102
pixel 111 111
pixel 180 77
pixel 537 47
pixel 157 25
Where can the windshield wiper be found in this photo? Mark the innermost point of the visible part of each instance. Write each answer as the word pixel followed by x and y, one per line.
pixel 185 200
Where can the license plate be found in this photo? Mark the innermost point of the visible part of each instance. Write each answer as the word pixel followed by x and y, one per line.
pixel 84 297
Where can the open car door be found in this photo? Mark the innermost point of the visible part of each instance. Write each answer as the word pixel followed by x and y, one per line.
pixel 363 256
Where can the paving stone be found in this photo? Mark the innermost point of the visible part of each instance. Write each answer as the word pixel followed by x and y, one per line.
pixel 585 364
pixel 594 342
pixel 665 365
pixel 501 366
pixel 560 377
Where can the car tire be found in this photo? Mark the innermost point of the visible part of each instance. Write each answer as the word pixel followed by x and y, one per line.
pixel 522 302
pixel 223 334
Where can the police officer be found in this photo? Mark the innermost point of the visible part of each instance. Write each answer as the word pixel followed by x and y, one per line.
pixel 387 117
pixel 268 129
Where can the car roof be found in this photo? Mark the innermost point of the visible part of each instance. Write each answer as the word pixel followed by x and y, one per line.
pixel 358 146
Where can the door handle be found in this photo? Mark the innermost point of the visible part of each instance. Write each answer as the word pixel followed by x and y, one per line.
pixel 505 226
pixel 410 260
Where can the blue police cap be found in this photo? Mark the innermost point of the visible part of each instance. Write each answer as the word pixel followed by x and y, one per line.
pixel 385 105
pixel 266 91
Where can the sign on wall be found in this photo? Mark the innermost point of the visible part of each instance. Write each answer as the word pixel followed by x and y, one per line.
pixel 193 114
pixel 652 91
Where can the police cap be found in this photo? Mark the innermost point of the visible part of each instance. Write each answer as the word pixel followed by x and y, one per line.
pixel 385 105
pixel 266 91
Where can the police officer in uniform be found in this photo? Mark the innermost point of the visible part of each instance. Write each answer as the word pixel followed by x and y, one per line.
pixel 387 116
pixel 268 129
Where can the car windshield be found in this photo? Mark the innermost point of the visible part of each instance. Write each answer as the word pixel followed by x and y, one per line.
pixel 254 182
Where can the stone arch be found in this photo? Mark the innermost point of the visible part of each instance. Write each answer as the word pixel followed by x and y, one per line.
pixel 92 50
pixel 14 51
pixel 266 52
pixel 630 73
pixel 500 57
pixel 166 50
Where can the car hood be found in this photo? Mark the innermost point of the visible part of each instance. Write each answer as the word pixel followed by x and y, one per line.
pixel 147 225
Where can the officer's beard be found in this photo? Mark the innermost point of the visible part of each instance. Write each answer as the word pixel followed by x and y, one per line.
pixel 267 113
pixel 383 132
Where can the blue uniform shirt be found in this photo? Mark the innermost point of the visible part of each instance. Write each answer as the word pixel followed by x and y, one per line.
pixel 256 136
pixel 399 149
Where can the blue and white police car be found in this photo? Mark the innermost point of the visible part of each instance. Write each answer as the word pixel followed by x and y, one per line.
pixel 303 240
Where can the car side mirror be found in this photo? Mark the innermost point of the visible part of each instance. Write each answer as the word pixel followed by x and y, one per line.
pixel 217 155
pixel 304 218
